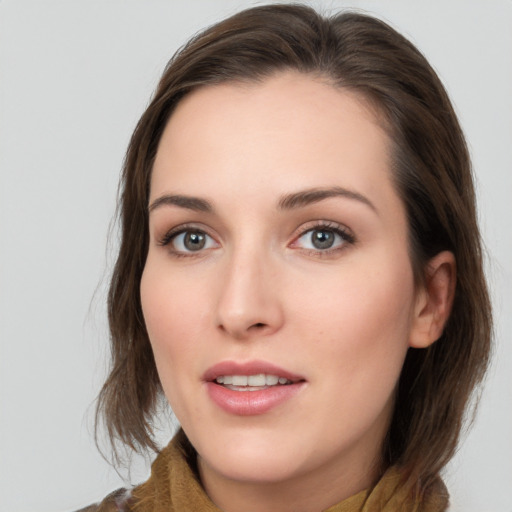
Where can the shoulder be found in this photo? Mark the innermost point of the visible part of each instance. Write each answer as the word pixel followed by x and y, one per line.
pixel 117 501
pixel 174 467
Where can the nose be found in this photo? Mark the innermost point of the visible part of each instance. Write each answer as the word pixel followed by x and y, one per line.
pixel 250 301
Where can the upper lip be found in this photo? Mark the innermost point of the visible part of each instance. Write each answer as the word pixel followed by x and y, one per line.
pixel 248 368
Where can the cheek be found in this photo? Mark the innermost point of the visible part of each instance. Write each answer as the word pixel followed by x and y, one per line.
pixel 172 314
pixel 361 321
pixel 360 297
pixel 360 330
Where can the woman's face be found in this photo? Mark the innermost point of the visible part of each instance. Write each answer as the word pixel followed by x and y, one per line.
pixel 278 291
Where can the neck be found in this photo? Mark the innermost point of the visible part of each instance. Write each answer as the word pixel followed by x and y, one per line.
pixel 308 492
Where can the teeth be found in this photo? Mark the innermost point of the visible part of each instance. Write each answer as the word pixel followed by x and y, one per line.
pixel 272 380
pixel 256 380
pixel 259 380
pixel 239 380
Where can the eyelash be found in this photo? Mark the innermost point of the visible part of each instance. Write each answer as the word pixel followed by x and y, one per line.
pixel 173 233
pixel 347 237
pixel 336 229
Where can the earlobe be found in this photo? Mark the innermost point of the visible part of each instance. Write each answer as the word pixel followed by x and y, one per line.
pixel 434 300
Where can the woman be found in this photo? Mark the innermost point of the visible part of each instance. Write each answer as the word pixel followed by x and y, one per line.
pixel 299 273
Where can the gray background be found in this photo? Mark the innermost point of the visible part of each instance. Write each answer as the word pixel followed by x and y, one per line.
pixel 74 78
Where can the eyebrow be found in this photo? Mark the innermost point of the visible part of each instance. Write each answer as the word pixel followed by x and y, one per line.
pixel 291 201
pixel 314 195
pixel 190 203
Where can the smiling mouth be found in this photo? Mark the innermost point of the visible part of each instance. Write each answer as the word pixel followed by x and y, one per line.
pixel 251 388
pixel 256 382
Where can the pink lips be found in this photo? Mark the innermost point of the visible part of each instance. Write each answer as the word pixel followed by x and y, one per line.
pixel 246 403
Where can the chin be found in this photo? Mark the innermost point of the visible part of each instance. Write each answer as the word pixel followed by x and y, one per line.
pixel 257 467
pixel 250 455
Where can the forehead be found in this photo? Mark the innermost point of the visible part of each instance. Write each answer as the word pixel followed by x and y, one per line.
pixel 288 131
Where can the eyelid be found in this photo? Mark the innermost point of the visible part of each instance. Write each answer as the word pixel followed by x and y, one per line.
pixel 341 230
pixel 172 233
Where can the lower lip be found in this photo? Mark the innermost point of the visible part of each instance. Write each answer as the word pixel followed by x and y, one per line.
pixel 248 403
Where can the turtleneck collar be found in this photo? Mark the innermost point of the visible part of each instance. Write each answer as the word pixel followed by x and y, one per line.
pixel 174 487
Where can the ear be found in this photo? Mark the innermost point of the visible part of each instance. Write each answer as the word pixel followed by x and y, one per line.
pixel 434 300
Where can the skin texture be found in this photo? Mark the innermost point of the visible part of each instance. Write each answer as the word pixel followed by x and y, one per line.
pixel 341 318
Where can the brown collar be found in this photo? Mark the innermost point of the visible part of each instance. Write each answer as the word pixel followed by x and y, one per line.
pixel 174 487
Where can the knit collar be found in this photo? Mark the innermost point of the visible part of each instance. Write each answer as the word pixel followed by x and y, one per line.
pixel 174 487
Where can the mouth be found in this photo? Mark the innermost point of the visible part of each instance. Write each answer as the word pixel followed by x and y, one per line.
pixel 250 374
pixel 251 388
pixel 256 382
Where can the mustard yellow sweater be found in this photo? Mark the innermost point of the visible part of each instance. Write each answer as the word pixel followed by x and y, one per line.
pixel 174 487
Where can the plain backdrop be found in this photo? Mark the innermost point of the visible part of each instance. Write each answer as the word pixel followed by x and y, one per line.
pixel 74 78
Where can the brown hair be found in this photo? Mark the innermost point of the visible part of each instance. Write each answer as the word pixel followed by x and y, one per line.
pixel 432 171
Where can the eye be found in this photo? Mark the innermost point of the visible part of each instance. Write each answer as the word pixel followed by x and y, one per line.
pixel 324 238
pixel 188 241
